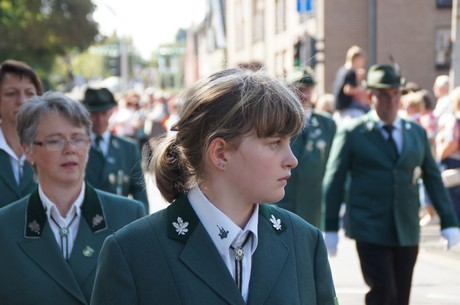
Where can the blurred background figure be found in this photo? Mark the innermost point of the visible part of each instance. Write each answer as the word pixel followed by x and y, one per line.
pixel 350 97
pixel 173 117
pixel 441 93
pixel 325 103
pixel 418 105
pixel 123 121
pixel 18 84
pixel 311 147
pixel 158 115
pixel 51 239
pixel 412 106
pixel 114 163
pixel 447 147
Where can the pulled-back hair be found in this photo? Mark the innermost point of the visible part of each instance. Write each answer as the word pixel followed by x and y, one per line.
pixel 20 69
pixel 227 105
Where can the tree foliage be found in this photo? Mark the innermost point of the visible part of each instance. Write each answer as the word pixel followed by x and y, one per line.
pixel 36 31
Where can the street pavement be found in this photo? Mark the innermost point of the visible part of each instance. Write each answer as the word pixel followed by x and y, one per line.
pixel 436 277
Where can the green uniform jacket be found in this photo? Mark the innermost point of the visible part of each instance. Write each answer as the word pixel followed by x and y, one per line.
pixel 10 191
pixel 383 198
pixel 32 268
pixel 311 148
pixel 120 171
pixel 153 262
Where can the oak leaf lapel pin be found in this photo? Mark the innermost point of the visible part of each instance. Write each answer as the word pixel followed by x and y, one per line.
pixel 276 222
pixel 181 226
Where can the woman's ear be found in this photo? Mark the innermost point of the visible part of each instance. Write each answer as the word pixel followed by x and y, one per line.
pixel 216 153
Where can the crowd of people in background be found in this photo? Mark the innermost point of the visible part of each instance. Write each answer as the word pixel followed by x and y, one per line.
pixel 95 146
pixel 436 109
pixel 143 116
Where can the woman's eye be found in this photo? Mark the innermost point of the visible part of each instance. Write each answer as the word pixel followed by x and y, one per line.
pixel 276 144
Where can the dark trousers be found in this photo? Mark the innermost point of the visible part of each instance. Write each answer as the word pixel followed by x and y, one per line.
pixel 388 272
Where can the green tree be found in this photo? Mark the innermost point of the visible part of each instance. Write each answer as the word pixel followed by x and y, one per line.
pixel 37 31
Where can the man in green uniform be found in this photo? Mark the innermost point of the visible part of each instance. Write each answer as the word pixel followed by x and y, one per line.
pixel 383 156
pixel 311 148
pixel 114 163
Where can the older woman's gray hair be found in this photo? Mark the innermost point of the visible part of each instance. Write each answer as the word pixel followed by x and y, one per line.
pixel 32 112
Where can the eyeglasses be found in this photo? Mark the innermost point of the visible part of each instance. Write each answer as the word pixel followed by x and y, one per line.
pixel 58 144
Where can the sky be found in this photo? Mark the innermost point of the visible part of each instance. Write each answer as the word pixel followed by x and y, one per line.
pixel 149 22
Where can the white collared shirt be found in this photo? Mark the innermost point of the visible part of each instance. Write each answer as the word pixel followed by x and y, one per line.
pixel 52 211
pixel 224 233
pixel 104 143
pixel 397 131
pixel 17 164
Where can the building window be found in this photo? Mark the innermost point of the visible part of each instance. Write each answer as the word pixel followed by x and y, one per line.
pixel 444 3
pixel 258 20
pixel 280 16
pixel 443 48
pixel 239 24
pixel 280 65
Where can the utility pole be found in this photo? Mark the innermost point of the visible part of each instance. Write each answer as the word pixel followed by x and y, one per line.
pixel 123 63
pixel 455 46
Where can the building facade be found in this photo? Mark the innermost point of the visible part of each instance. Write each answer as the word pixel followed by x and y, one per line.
pixel 279 34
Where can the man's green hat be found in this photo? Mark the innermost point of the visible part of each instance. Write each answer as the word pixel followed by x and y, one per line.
pixel 97 100
pixel 300 78
pixel 383 77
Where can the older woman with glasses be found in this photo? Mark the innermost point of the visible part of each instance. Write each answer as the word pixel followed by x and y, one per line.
pixel 51 239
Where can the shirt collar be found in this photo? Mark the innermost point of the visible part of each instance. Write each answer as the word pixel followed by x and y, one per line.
pixel 52 210
pixel 4 146
pixel 222 230
pixel 396 123
pixel 105 136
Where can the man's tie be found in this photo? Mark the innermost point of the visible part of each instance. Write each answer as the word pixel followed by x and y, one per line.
pixel 389 130
pixel 98 145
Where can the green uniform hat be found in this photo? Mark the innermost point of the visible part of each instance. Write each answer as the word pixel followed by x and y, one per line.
pixel 383 77
pixel 300 78
pixel 96 100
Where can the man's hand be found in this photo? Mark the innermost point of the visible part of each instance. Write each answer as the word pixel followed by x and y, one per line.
pixel 452 235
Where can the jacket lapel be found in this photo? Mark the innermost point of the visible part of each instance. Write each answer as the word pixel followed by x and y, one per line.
pixel 269 259
pixel 375 136
pixel 7 173
pixel 91 234
pixel 85 251
pixel 112 156
pixel 40 245
pixel 201 257
pixel 28 178
pixel 199 253
pixel 408 140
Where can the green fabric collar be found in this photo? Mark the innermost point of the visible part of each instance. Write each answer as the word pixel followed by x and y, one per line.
pixel 36 216
pixel 182 219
